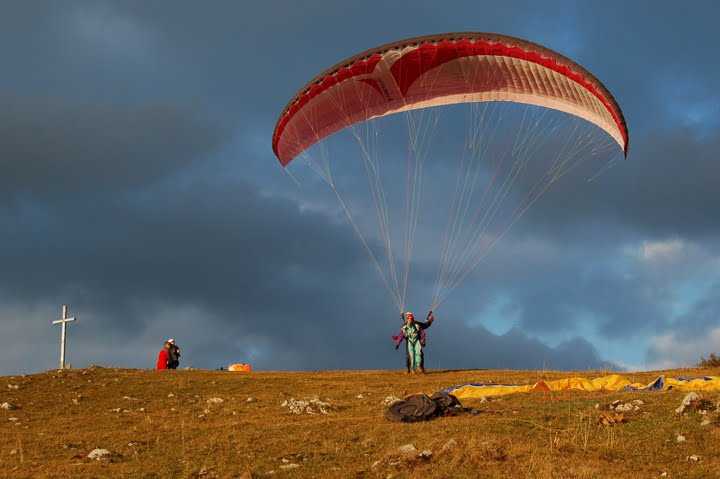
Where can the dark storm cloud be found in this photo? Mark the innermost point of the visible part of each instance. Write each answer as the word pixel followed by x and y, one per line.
pixel 257 275
pixel 51 147
pixel 667 187
pixel 138 184
pixel 184 243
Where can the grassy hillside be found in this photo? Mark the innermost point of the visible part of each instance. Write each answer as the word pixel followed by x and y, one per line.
pixel 160 424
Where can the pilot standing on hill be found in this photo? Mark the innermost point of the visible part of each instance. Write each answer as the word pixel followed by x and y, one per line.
pixel 413 332
pixel 173 354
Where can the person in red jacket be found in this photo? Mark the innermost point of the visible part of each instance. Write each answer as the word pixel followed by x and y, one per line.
pixel 163 357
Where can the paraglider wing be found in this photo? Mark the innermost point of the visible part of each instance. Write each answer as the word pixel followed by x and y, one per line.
pixel 440 70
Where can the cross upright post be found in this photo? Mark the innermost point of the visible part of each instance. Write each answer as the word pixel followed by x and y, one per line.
pixel 64 319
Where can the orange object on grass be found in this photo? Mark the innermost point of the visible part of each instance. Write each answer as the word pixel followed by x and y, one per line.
pixel 240 368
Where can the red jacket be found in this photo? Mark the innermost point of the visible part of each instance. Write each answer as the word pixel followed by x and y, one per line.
pixel 162 360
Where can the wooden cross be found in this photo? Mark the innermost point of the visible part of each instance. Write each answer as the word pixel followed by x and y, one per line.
pixel 64 319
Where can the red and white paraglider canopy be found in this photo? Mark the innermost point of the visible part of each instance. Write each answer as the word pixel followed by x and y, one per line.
pixel 440 70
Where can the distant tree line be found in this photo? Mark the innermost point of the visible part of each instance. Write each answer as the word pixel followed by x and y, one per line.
pixel 712 361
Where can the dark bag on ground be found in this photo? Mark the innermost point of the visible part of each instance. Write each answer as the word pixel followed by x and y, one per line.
pixel 421 407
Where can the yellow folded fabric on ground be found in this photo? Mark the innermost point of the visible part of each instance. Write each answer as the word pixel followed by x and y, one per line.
pixel 712 383
pixel 612 382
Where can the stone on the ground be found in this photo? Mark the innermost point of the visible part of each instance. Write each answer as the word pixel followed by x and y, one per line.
pixel 408 450
pixel 308 406
pixel 693 458
pixel 171 395
pixel 7 406
pixel 705 422
pixel 250 399
pixel 390 400
pixel 100 455
pixel 426 454
pixel 627 407
pixel 292 465
pixel 680 438
pixel 215 401
pixel 689 398
pixel 620 406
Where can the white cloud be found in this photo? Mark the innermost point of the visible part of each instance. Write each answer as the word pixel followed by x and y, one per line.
pixel 667 250
pixel 671 351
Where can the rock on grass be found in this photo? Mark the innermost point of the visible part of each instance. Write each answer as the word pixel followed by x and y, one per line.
pixel 308 406
pixel 687 400
pixel 408 450
pixel 100 455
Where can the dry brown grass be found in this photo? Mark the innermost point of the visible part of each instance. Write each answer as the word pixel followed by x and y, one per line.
pixel 64 415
